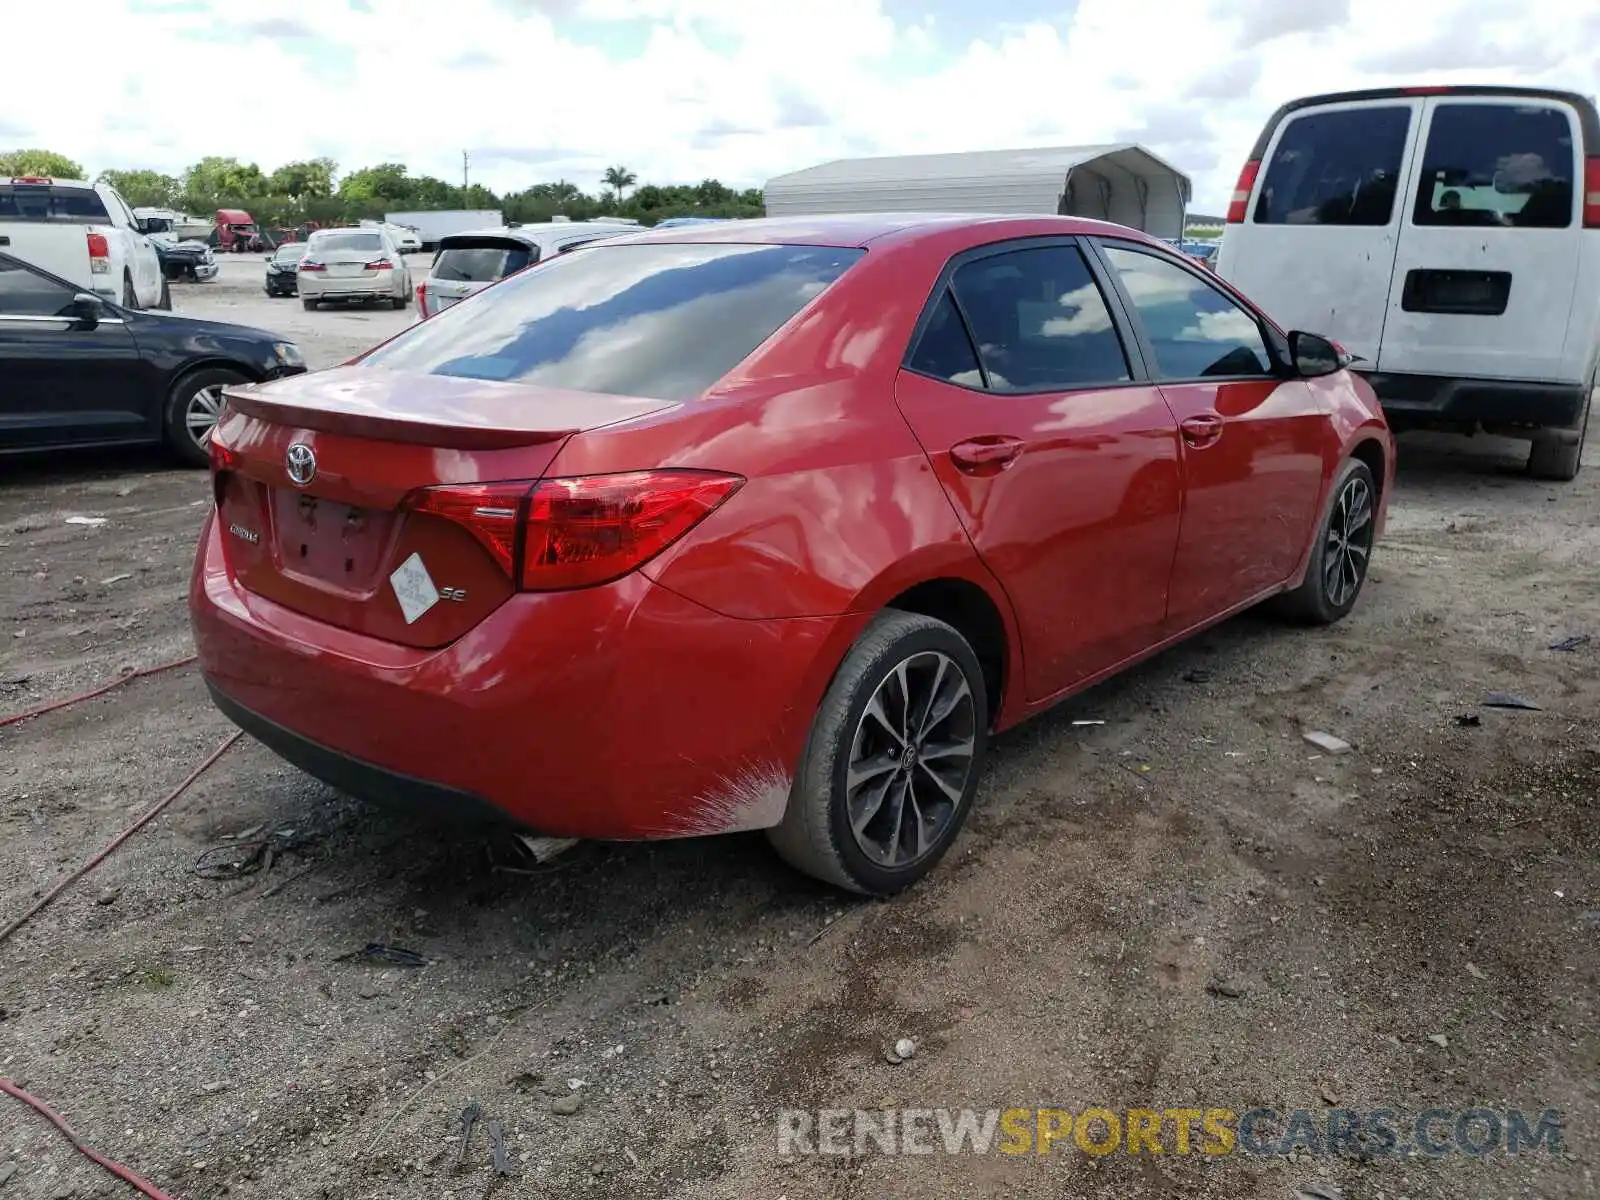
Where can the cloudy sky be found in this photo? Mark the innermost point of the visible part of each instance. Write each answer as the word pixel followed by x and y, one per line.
pixel 678 90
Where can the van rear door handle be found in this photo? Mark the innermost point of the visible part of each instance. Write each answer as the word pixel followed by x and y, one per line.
pixel 986 455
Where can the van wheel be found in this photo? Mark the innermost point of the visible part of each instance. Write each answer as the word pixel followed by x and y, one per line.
pixel 1342 552
pixel 893 760
pixel 1559 461
pixel 193 408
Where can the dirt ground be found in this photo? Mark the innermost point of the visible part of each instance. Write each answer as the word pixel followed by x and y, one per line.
pixel 1187 906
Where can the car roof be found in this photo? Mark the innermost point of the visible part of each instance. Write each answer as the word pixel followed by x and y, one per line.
pixel 538 234
pixel 860 229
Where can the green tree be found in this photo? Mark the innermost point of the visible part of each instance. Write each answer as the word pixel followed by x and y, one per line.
pixel 386 182
pixel 216 179
pixel 309 180
pixel 142 186
pixel 618 178
pixel 39 162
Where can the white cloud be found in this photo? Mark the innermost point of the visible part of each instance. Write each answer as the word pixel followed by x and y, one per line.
pixel 736 89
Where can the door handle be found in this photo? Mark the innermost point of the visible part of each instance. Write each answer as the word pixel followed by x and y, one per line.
pixel 1202 430
pixel 986 455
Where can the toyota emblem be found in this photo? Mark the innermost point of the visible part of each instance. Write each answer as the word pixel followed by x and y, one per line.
pixel 301 463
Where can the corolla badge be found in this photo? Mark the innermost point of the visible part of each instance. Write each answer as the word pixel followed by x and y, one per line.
pixel 301 463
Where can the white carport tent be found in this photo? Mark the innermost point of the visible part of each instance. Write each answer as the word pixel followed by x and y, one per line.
pixel 1121 182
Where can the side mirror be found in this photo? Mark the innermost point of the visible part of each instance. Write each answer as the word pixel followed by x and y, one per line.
pixel 88 310
pixel 1314 355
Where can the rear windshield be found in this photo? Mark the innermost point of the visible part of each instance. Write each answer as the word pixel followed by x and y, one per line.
pixel 1497 165
pixel 482 262
pixel 664 321
pixel 1335 168
pixel 363 243
pixel 292 251
pixel 45 202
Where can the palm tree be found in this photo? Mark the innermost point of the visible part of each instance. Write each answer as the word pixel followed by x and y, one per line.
pixel 617 178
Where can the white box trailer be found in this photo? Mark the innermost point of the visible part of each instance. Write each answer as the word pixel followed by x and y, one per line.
pixel 1120 182
pixel 431 226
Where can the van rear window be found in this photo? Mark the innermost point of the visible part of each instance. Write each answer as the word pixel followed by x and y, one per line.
pixel 1504 165
pixel 1335 168
pixel 482 261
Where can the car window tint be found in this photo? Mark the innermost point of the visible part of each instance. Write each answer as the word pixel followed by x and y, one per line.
pixel 481 264
pixel 944 351
pixel 44 202
pixel 26 294
pixel 1335 168
pixel 358 243
pixel 664 321
pixel 1497 165
pixel 1195 330
pixel 1040 321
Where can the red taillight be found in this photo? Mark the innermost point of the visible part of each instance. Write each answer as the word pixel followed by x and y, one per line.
pixel 381 264
pixel 422 300
pixel 99 253
pixel 311 266
pixel 580 531
pixel 223 463
pixel 1591 193
pixel 31 179
pixel 595 528
pixel 1240 203
pixel 488 511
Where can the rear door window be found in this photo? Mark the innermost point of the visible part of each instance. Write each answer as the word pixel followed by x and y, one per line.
pixel 664 321
pixel 483 261
pixel 1506 165
pixel 47 202
pixel 1335 168
pixel 1040 322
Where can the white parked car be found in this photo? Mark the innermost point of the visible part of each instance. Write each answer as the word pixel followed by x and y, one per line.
pixel 84 233
pixel 469 262
pixel 353 264
pixel 1447 236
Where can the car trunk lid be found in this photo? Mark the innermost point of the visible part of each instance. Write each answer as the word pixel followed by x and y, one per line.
pixel 321 492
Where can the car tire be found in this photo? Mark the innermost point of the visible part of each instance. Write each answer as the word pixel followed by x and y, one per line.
pixel 1341 555
pixel 1560 461
pixel 164 303
pixel 863 734
pixel 192 394
pixel 308 305
pixel 130 298
pixel 397 303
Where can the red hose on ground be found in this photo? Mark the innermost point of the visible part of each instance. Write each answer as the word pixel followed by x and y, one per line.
pixel 99 691
pixel 154 812
pixel 49 1114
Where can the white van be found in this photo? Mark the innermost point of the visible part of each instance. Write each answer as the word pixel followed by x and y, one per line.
pixel 1447 236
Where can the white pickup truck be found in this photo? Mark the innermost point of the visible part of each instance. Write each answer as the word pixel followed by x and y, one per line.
pixel 85 233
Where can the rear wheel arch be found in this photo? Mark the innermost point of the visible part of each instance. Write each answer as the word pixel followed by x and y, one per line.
pixel 972 612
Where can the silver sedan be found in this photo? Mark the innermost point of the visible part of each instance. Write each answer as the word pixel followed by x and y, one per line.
pixel 353 264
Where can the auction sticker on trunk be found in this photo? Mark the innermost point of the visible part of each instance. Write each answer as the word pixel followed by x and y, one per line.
pixel 413 587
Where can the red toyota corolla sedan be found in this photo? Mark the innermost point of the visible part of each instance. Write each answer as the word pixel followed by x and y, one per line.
pixel 770 525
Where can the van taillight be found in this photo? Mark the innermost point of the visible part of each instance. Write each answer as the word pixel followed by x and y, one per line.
pixel 1241 192
pixel 581 531
pixel 99 254
pixel 1591 193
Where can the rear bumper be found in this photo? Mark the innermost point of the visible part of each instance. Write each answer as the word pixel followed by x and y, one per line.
pixel 312 287
pixel 623 711
pixel 1433 399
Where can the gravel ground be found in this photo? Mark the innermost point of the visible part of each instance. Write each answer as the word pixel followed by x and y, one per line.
pixel 1187 906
